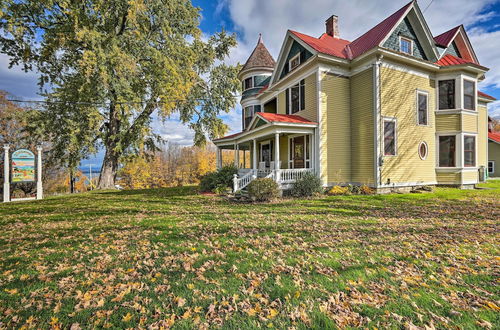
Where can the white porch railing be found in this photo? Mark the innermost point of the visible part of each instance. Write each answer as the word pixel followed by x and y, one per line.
pixel 241 183
pixel 292 175
pixel 281 176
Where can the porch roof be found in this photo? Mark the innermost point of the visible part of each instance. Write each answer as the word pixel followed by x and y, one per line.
pixel 274 123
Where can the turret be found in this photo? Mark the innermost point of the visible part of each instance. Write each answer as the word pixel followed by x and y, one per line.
pixel 254 76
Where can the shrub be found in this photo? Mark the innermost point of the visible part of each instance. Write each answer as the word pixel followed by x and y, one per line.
pixel 222 177
pixel 263 190
pixel 365 190
pixel 308 185
pixel 338 190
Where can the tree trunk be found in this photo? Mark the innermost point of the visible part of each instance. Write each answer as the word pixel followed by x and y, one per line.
pixel 108 171
pixel 111 157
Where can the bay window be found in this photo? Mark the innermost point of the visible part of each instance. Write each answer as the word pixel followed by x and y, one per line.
pixel 446 94
pixel 469 95
pixel 469 151
pixel 447 151
pixel 248 83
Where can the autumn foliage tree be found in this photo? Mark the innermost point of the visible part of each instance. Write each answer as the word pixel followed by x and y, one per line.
pixel 171 167
pixel 112 64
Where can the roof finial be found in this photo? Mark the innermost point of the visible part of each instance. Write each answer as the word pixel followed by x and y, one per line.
pixel 260 39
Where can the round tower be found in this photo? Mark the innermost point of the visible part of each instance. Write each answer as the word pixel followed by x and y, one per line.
pixel 254 76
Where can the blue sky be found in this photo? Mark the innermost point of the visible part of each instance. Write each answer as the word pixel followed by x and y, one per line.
pixel 272 18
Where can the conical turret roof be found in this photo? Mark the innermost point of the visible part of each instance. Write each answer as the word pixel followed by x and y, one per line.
pixel 260 57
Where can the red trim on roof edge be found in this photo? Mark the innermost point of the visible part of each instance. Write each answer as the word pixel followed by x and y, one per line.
pixel 274 117
pixel 479 93
pixel 495 136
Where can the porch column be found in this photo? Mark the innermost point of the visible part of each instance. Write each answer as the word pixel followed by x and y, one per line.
pixel 218 159
pixel 6 174
pixel 39 185
pixel 254 155
pixel 236 155
pixel 244 158
pixel 276 151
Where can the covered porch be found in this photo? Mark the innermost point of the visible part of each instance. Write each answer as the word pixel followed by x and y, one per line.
pixel 282 151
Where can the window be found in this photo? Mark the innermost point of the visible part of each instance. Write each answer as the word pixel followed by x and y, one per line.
pixel 248 83
pixel 294 62
pixel 447 94
pixel 422 108
pixel 405 45
pixel 491 166
pixel 248 115
pixel 447 151
pixel 469 151
pixel 389 137
pixel 423 150
pixel 469 95
pixel 296 97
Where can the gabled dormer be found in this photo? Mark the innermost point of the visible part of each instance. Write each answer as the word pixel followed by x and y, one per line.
pixel 456 42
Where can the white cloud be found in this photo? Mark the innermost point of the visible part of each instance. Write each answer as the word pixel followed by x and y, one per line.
pixel 494 109
pixel 16 81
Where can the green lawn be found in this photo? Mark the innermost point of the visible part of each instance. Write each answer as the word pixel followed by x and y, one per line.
pixel 171 257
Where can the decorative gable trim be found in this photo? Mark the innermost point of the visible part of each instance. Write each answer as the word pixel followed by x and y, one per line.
pixel 417 20
pixel 285 49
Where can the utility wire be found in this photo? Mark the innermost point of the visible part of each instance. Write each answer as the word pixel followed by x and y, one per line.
pixel 430 3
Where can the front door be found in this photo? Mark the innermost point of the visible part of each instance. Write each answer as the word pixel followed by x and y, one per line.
pixel 298 152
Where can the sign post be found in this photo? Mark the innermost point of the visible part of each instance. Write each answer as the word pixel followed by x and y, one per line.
pixel 39 185
pixel 6 175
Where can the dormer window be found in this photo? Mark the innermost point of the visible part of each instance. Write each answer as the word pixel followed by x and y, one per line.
pixel 248 83
pixel 405 45
pixel 294 62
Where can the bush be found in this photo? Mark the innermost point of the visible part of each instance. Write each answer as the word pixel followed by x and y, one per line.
pixel 263 190
pixel 216 180
pixel 308 185
pixel 365 190
pixel 338 190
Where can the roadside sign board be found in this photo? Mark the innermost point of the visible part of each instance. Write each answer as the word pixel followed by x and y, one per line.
pixel 23 166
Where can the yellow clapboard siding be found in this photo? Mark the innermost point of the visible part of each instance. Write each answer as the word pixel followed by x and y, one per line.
pixel 399 100
pixel 284 151
pixel 469 123
pixel 282 103
pixel 448 178
pixel 362 130
pixel 336 109
pixel 470 177
pixel 494 155
pixel 448 123
pixel 482 136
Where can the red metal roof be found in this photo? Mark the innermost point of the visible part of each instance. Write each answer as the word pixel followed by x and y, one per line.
pixel 373 37
pixel 273 117
pixel 486 95
pixel 445 38
pixel 325 44
pixel 449 59
pixel 495 136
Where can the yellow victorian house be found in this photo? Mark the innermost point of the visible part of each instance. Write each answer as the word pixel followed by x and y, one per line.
pixel 396 108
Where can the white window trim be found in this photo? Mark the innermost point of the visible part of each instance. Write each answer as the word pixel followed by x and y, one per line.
pixel 252 80
pixel 475 150
pixel 492 166
pixel 411 45
pixel 390 119
pixel 458 147
pixel 263 143
pixel 474 94
pixel 426 150
pixel 291 60
pixel 426 93
pixel 457 96
pixel 289 110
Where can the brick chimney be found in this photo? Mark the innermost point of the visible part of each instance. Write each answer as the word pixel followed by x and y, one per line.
pixel 332 26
